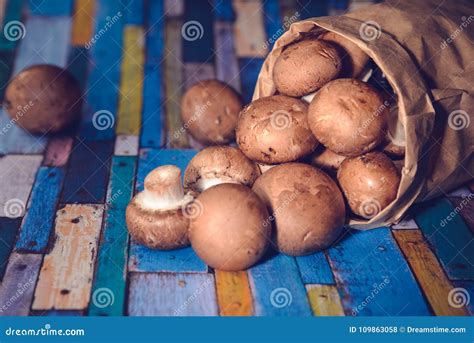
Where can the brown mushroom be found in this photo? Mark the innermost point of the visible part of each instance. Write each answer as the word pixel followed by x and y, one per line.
pixel 306 206
pixel 209 110
pixel 219 164
pixel 230 234
pixel 275 129
pixel 305 66
pixel 43 99
pixel 369 182
pixel 326 159
pixel 157 217
pixel 348 117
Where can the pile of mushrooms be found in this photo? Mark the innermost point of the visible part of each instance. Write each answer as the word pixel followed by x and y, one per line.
pixel 304 158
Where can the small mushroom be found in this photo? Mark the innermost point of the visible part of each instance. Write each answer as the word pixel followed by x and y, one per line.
pixel 231 232
pixel 209 110
pixel 156 217
pixel 274 130
pixel 305 66
pixel 43 99
pixel 348 117
pixel 326 159
pixel 369 182
pixel 306 206
pixel 219 164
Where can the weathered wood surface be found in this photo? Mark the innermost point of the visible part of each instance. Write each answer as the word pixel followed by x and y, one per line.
pixel 325 300
pixel 315 269
pixel 126 145
pixel 233 293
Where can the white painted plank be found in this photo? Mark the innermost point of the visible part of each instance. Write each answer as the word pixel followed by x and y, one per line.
pixel 126 145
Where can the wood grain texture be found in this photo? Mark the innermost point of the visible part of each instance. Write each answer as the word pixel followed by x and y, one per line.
pixel 8 230
pixel 451 239
pixel 249 33
pixel 157 294
pixel 12 12
pixel 428 271
pixel 233 293
pixel 57 151
pixel 126 145
pixel 195 72
pixel 18 175
pixel 51 7
pixel 325 300
pixel 111 270
pixel 65 278
pixel 198 37
pixel 277 288
pixel 17 288
pixel 315 269
pixel 38 221
pixel 131 82
pixel 83 24
pixel 227 67
pixel 249 70
pixel 371 272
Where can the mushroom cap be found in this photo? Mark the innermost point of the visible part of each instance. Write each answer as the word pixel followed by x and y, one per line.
pixel 327 159
pixel 210 110
pixel 219 164
pixel 354 59
pixel 43 98
pixel 348 117
pixel 275 129
pixel 231 233
pixel 305 66
pixel 306 205
pixel 369 182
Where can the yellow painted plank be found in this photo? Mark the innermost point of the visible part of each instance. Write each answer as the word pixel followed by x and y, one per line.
pixel 82 22
pixel 325 300
pixel 429 273
pixel 249 29
pixel 233 294
pixel 66 274
pixel 131 82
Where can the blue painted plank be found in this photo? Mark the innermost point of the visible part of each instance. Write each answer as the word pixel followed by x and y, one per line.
pixel 309 8
pixel 39 219
pixel 315 269
pixel 249 70
pixel 277 287
pixel 449 236
pixel 197 32
pixel 14 30
pixel 273 23
pixel 223 10
pixel 51 7
pixel 134 12
pixel 104 78
pixel 152 118
pixel 8 229
pixel 78 64
pixel 88 172
pixel 373 277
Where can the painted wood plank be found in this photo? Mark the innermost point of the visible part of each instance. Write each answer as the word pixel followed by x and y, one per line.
pixel 309 9
pixel 325 300
pixel 195 72
pixel 88 172
pixel 277 288
pixel 371 272
pixel 8 230
pixel 315 269
pixel 131 82
pixel 451 239
pixel 38 221
pixel 152 118
pixel 6 67
pixel 157 294
pixel 3 7
pixel 466 209
pixel 83 24
pixel 51 7
pixel 78 65
pixel 17 288
pixel 18 175
pixel 428 271
pixel 173 83
pixel 58 151
pixel 126 145
pixel 65 278
pixel 134 12
pixel 273 24
pixel 250 68
pixel 227 67
pixel 12 15
pixel 249 30
pixel 108 292
pixel 233 293
pixel 197 32
pixel 174 8
pixel 223 10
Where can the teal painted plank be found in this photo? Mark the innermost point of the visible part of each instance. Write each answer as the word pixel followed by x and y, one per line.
pixel 162 294
pixel 39 218
pixel 111 272
pixel 449 236
pixel 15 31
pixel 277 288
pixel 8 229
pixel 315 269
pixel 51 7
pixel 78 64
pixel 373 277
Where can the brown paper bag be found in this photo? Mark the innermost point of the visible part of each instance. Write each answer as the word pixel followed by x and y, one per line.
pixel 425 49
